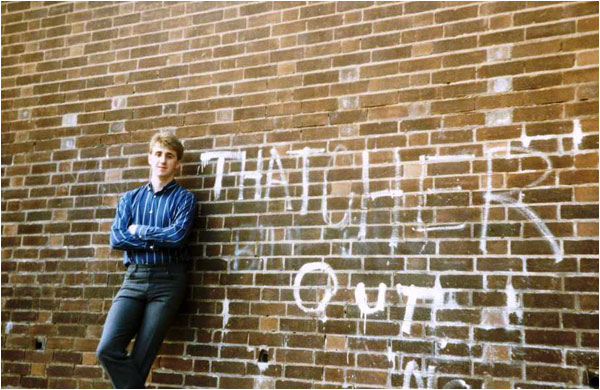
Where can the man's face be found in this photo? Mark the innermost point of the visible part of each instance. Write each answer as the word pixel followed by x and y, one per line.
pixel 163 161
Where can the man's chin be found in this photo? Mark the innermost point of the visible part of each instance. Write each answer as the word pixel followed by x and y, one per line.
pixel 163 175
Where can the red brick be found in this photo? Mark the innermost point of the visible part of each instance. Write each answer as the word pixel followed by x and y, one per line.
pixel 201 62
pixel 541 373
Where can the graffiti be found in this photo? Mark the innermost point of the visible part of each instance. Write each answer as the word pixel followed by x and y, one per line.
pixel 577 133
pixel 511 300
pixel 225 312
pixel 425 161
pixel 511 198
pixel 360 296
pixel 247 252
pixel 329 292
pixel 352 227
pixel 413 293
pixel 507 198
pixel 305 153
pixel 220 156
pixel 254 175
pixel 396 194
pixel 411 371
pixel 275 159
pixel 326 217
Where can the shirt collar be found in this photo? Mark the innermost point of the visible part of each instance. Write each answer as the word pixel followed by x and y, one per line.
pixel 168 187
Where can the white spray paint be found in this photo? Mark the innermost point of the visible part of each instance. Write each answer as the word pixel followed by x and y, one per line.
pixel 365 172
pixel 511 300
pixel 459 226
pixel 391 356
pixel 362 231
pixel 397 194
pixel 275 159
pixel 254 175
pixel 305 153
pixel 385 193
pixel 262 366
pixel 329 292
pixel 220 156
pixel 225 312
pixel 533 217
pixel 345 252
pixel 243 251
pixel 525 140
pixel 412 370
pixel 267 235
pixel 443 190
pixel 326 217
pixel 450 301
pixel 360 296
pixel 506 199
pixel 577 133
pixel 413 293
pixel 424 160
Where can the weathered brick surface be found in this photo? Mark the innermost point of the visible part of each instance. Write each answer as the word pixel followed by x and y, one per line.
pixel 398 193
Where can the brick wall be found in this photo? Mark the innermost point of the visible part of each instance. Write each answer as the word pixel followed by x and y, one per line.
pixel 390 194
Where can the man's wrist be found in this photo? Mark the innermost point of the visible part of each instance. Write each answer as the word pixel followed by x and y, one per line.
pixel 133 229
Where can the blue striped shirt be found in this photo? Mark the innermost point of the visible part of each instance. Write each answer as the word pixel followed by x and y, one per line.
pixel 164 220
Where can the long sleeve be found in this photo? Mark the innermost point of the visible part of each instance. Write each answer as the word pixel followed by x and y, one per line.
pixel 174 235
pixel 120 238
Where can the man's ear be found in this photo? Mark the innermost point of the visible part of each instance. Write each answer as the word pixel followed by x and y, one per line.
pixel 149 155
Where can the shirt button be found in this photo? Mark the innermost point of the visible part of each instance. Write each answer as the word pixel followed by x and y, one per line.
pixel 150 211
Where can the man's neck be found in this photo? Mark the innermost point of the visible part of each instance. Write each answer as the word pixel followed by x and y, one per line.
pixel 158 183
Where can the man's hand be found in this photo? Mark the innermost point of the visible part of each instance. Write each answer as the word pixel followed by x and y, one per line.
pixel 132 229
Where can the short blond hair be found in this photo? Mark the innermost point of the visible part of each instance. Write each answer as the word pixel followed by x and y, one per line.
pixel 167 140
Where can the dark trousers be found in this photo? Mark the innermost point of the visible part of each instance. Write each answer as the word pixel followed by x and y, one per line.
pixel 144 306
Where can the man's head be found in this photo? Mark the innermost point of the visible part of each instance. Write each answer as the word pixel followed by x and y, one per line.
pixel 164 153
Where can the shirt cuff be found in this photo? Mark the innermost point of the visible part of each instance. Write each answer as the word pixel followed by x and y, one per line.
pixel 138 231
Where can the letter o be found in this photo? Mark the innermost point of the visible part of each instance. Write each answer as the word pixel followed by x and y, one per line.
pixel 329 293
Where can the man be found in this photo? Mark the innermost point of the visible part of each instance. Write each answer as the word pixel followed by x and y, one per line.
pixel 151 226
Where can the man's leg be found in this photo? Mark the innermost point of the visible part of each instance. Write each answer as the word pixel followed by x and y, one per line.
pixel 166 294
pixel 122 323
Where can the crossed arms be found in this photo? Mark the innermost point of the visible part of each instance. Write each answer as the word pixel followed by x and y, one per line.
pixel 124 235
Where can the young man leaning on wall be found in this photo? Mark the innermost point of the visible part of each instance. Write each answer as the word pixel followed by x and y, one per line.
pixel 151 227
